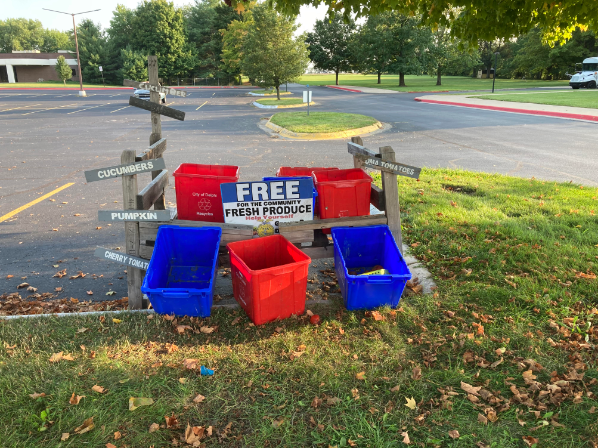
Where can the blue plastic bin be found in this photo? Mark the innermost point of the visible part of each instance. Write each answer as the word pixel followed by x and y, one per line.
pixel 269 179
pixel 181 274
pixel 360 249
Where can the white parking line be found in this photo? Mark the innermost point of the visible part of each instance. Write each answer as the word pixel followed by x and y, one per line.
pixel 201 105
pixel 119 109
pixel 22 107
pixel 87 108
pixel 50 108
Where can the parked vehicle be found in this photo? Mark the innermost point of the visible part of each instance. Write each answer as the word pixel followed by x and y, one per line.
pixel 145 95
pixel 588 75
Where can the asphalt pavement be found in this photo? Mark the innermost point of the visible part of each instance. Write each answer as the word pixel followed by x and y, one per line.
pixel 49 138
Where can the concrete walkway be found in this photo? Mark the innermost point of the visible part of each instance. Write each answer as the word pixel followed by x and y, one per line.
pixel 363 89
pixel 567 112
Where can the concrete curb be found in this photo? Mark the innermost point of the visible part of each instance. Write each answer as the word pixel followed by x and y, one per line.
pixel 323 135
pixel 288 106
pixel 269 94
pixel 513 110
pixel 344 88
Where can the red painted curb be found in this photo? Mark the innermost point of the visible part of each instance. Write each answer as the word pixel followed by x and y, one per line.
pixel 344 88
pixel 431 91
pixel 62 88
pixel 517 111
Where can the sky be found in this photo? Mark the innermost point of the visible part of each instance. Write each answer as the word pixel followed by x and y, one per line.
pixel 32 9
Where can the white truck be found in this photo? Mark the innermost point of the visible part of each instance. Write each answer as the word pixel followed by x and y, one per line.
pixel 588 75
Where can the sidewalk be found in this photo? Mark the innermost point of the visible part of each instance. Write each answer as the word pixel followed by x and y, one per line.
pixel 567 112
pixel 363 89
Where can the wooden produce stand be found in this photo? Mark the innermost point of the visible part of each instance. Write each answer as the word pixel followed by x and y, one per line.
pixel 142 222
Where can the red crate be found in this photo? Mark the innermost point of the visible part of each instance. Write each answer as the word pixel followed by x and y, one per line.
pixel 343 193
pixel 198 190
pixel 269 277
pixel 299 171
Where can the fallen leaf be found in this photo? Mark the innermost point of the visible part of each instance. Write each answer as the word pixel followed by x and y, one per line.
pixel 207 330
pixel 309 313
pixel 181 328
pixel 199 398
pixel 316 402
pixel 592 410
pixel 482 419
pixel 410 403
pixel 110 293
pixel 235 321
pixel 277 423
pixel 454 434
pixel 360 376
pixel 82 330
pixel 182 380
pixel 90 293
pixel 36 396
pixel 32 289
pixel 406 439
pixel 87 426
pixel 60 274
pixel 117 435
pixel 110 445
pixel 529 440
pixel 154 427
pixel 98 389
pixel 135 403
pixel 65 435
pixel 332 401
pixel 75 399
pixel 59 357
pixel 491 415
pixel 194 434
pixel 190 363
pixel 23 285
pixel 116 321
pixel 171 421
pixel 9 276
pixel 395 389
pixel 470 389
pixel 377 316
pixel 417 373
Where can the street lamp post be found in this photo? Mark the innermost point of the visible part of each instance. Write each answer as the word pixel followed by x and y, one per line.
pixel 494 75
pixel 81 91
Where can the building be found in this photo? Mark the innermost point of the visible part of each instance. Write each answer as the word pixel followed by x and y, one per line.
pixel 33 66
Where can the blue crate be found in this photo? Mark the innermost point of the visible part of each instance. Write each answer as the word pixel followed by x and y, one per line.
pixel 359 249
pixel 270 179
pixel 181 274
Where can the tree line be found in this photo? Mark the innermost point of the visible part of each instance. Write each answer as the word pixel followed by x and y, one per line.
pixel 211 40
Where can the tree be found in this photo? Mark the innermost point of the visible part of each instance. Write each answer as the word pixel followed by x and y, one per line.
pixel 134 65
pixel 158 28
pixel 474 19
pixel 63 70
pixel 329 44
pixel 447 55
pixel 20 34
pixel 232 44
pixel 271 54
pixel 55 40
pixel 92 50
pixel 370 46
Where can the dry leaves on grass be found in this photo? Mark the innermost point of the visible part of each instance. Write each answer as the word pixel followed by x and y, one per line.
pixel 207 330
pixel 316 402
pixel 411 404
pixel 406 439
pixel 65 436
pixel 60 356
pixel 454 434
pixel 529 440
pixel 199 398
pixel 98 389
pixel 154 427
pixel 60 274
pixel 117 435
pixel 181 328
pixel 276 423
pixel 75 399
pixel 110 445
pixel 360 376
pixel 35 395
pixel 470 389
pixel 135 403
pixel 172 421
pixel 194 434
pixel 332 401
pixel 190 363
pixel 86 426
pixel 417 373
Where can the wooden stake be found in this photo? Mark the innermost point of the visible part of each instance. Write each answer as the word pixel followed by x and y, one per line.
pixel 131 233
pixel 356 162
pixel 152 68
pixel 391 197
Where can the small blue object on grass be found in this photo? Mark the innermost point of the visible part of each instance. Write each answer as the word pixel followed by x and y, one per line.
pixel 205 371
pixel 181 274
pixel 359 249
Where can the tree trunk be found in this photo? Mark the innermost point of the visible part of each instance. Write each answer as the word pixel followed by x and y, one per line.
pixel 278 91
pixel 379 73
pixel 439 76
pixel 402 79
pixel 64 81
pixel 336 77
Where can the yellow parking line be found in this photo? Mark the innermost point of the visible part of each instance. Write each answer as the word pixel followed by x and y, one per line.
pixel 119 109
pixel 22 107
pixel 87 108
pixel 51 108
pixel 201 105
pixel 26 206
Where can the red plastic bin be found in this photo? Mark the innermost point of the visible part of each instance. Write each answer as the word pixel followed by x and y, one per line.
pixel 299 171
pixel 269 277
pixel 198 190
pixel 343 193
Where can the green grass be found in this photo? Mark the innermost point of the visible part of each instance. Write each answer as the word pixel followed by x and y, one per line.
pixel 321 121
pixel 575 98
pixel 425 83
pixel 281 102
pixel 55 84
pixel 270 92
pixel 508 255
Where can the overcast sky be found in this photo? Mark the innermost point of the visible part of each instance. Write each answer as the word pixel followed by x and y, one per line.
pixel 32 9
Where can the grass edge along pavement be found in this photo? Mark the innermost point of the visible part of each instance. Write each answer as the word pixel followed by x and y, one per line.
pixel 424 83
pixel 264 92
pixel 501 355
pixel 573 98
pixel 299 122
pixel 281 102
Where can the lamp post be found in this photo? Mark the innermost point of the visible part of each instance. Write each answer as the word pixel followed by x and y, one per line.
pixel 81 91
pixel 494 75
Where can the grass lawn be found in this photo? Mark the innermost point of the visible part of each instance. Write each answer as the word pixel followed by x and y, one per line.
pixel 321 121
pixel 576 98
pixel 281 102
pixel 270 92
pixel 502 355
pixel 55 84
pixel 425 83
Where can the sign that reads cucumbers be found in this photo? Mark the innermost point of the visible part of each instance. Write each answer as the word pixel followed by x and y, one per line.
pixel 264 204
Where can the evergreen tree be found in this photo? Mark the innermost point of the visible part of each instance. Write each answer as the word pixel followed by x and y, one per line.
pixel 134 65
pixel 92 50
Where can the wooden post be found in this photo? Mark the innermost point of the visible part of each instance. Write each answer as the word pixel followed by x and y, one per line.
pixel 131 233
pixel 152 68
pixel 356 162
pixel 391 197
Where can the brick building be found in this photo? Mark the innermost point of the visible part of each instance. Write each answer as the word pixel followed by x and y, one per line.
pixel 31 66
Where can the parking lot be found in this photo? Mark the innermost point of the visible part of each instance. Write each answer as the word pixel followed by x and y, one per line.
pixel 49 138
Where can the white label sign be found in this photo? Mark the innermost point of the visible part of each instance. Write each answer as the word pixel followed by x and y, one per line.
pixel 100 68
pixel 306 95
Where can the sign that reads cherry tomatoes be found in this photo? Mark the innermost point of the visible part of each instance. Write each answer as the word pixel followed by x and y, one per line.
pixel 264 204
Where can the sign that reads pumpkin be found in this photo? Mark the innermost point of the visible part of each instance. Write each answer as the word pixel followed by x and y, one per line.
pixel 264 204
